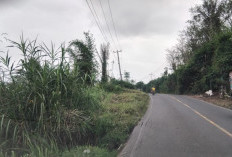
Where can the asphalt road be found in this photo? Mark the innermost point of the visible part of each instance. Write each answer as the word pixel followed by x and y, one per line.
pixel 180 126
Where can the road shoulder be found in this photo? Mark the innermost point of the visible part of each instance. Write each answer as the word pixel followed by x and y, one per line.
pixel 214 100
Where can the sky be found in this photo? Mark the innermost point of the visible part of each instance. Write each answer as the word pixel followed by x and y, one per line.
pixel 142 29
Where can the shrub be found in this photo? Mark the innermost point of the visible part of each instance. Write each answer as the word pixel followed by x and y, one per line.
pixel 109 87
pixel 44 95
pixel 123 84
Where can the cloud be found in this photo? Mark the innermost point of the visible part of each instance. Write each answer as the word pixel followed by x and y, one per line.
pixel 7 1
pixel 55 19
pixel 11 3
pixel 148 17
pixel 145 27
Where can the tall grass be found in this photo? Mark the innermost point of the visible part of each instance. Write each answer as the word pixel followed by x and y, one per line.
pixel 43 97
pixel 48 108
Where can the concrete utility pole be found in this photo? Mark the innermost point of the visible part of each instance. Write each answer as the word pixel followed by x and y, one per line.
pixel 119 63
pixel 112 69
pixel 151 76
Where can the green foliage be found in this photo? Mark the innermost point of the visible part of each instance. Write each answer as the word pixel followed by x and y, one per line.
pixel 123 84
pixel 140 85
pixel 208 69
pixel 127 76
pixel 48 107
pixel 202 58
pixel 110 87
pixel 223 55
pixel 44 96
pixel 117 85
pixel 121 113
pixel 83 55
pixel 210 18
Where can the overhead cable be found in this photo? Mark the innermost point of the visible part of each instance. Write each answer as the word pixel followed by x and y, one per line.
pixel 98 25
pixel 107 24
pixel 113 24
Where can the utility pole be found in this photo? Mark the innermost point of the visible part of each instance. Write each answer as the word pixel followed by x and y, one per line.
pixel 112 70
pixel 119 63
pixel 151 76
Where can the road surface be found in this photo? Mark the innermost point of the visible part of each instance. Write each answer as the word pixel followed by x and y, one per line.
pixel 180 126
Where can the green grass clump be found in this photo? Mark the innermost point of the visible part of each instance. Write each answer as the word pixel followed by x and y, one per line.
pixel 121 112
pixel 47 108
pixel 110 87
pixel 44 97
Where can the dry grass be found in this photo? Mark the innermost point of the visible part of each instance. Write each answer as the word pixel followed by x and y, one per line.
pixel 227 103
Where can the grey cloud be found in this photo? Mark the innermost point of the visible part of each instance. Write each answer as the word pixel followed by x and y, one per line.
pixel 57 6
pixel 147 17
pixel 145 27
pixel 6 3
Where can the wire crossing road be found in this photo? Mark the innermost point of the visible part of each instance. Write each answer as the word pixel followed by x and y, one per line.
pixel 180 126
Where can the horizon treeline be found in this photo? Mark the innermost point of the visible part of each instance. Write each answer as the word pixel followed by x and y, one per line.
pixel 202 58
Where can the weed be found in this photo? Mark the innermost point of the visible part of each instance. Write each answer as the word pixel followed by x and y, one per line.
pixel 47 106
pixel 43 96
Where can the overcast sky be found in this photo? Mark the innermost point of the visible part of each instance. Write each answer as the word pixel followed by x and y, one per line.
pixel 145 28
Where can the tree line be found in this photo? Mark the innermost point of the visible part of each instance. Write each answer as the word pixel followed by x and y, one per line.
pixel 202 58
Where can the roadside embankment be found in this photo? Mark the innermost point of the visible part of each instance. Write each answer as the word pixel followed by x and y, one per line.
pixel 120 113
pixel 216 100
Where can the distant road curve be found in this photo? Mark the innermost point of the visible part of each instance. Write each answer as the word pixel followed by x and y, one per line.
pixel 180 126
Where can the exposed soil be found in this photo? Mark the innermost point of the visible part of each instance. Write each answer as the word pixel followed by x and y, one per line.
pixel 226 102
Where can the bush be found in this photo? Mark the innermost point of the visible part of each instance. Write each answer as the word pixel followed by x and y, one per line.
pixel 109 87
pixel 123 84
pixel 46 106
pixel 43 95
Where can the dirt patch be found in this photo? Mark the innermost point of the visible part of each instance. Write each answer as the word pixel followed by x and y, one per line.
pixel 216 100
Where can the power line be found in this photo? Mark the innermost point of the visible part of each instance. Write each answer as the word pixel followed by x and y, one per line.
pixel 157 69
pixel 113 24
pixel 98 19
pixel 107 24
pixel 98 25
pixel 98 22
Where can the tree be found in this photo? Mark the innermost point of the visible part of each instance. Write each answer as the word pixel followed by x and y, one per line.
pixel 209 18
pixel 139 85
pixel 165 71
pixel 171 59
pixel 127 75
pixel 201 60
pixel 82 54
pixel 104 59
pixel 228 7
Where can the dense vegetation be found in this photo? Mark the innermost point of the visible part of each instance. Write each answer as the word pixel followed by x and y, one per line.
pixel 202 59
pixel 51 102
